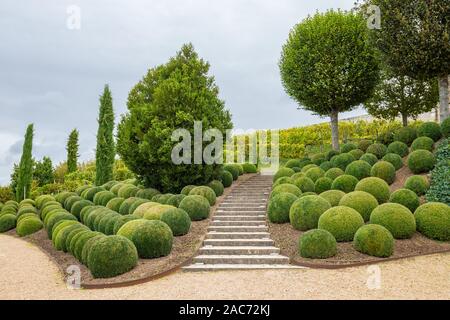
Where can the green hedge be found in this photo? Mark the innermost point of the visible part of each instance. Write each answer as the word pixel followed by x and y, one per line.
pixel 361 201
pixel 279 206
pixel 374 240
pixel 305 212
pixel 317 244
pixel 396 218
pixel 342 222
pixel 433 220
pixel 439 190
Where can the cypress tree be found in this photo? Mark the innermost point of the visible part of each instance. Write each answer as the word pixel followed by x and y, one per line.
pixel 25 176
pixel 72 151
pixel 106 151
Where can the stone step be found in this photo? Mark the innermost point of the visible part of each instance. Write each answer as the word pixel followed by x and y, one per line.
pixel 238 235
pixel 239 218
pixel 218 267
pixel 238 250
pixel 238 228
pixel 242 259
pixel 242 205
pixel 238 242
pixel 241 212
pixel 216 223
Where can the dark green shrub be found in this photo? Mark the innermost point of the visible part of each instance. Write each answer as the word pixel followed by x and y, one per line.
pixel 359 169
pixel 307 194
pixel 344 183
pixel 357 153
pixel 439 190
pixel 233 170
pixel 369 158
pixel 399 148
pixel 110 256
pixel 364 144
pixel 69 202
pixel 60 225
pixel 445 127
pixel 342 222
pixel 422 143
pixel 143 208
pixel 7 222
pixel 249 168
pixel 317 244
pixel 127 191
pixel 330 154
pixel 309 166
pixel 239 167
pixel 405 135
pixel 433 220
pixel 178 220
pixel 374 240
pixel 284 180
pixel 101 216
pixel 361 201
pixel 333 196
pixel 293 163
pixel 226 178
pixel 71 234
pixel 283 172
pixel 206 192
pixel 305 212
pixel 386 137
pixel 78 206
pixel 217 187
pixel 322 184
pixel 122 220
pixel 80 189
pixel 279 206
pixel 421 161
pixel 136 204
pixel 377 149
pixel 108 185
pixel 346 147
pixel 115 203
pixel 55 218
pixel 376 187
pixel 342 161
pixel 148 193
pixel 110 223
pixel 90 193
pixel 62 196
pixel 197 207
pixel 188 188
pixel 396 218
pixel 430 129
pixel 72 245
pixel 394 159
pixel 41 200
pixel 125 206
pixel 59 238
pixel 289 188
pixel 107 221
pixel 115 189
pixel 28 226
pixel 87 247
pixel 297 169
pixel 333 173
pixel 418 184
pixel 155 212
pixel 293 177
pixel 102 198
pixel 153 239
pixel 405 197
pixel 384 170
pixel 318 159
pixel 314 173
pixel 305 184
pixel 77 252
pixel 89 219
pixel 175 200
pixel 162 198
pixel 326 165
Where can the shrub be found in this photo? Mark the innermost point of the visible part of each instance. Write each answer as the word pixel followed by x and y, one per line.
pixel 108 185
pixel 71 247
pixel 293 163
pixel 283 180
pixel 374 240
pixel 136 204
pixel 55 218
pixel 175 200
pixel 233 170
pixel 364 144
pixel 405 135
pixel 107 221
pixel 226 178
pixel 330 154
pixel 384 170
pixel 60 239
pixel 439 190
pixel 394 159
pixel 399 148
pixel 114 204
pixel 29 226
pixel 433 220
pixel 7 222
pixel 369 158
pixel 405 197
pixel 239 167
pixel 344 183
pixel 359 169
pixel 142 209
pixel 346 147
pixel 127 230
pixel 297 169
pixel 77 252
pixel 377 149
pixel 309 166
pixel 60 226
pixel 422 143
pixel 279 206
pixel 155 212
pixel 396 218
pixel 317 244
pixel 356 153
pixel 206 192
pixel 197 207
pixel 289 188
pixel 249 168
pixel 421 161
pixel 62 196
pixel 342 222
pixel 89 219
pixel 326 165
pixel 445 127
pixel 307 194
pixel 342 161
pixel 322 184
pixel 333 196
pixel 333 173
pixel 87 247
pixel 178 220
pixel 376 187
pixel 305 184
pixel 162 198
pixel 123 220
pixel 283 172
pixel 361 201
pixel 315 173
pixel 78 206
pixel 127 191
pixel 152 239
pixel 217 187
pixel 188 188
pixel 41 200
pixel 318 159
pixel 125 206
pixel 418 184
pixel 110 256
pixel 148 193
pixel 293 177
pixel 26 215
pixel 90 193
pixel 430 129
pixel 115 189
pixel 305 212
pixel 80 189
pixel 386 137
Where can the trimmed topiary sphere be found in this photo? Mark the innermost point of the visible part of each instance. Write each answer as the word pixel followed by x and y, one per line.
pixel 370 158
pixel 361 201
pixel 282 188
pixel 81 241
pixel 418 184
pixel 125 206
pixel 148 193
pixel 178 220
pixel 55 218
pixel 377 149
pixel 293 177
pixel 283 172
pixel 217 187
pixel 445 127
pixel 7 222
pixel 364 144
pixel 175 200
pixel 226 178
pixel 384 170
pixel 322 184
pixel 144 207
pixel 431 130
pixel 315 173
pixel 111 256
pixel 155 212
pixel 28 226
pixel 307 194
pixel 78 206
pixel 346 147
pixel 283 180
pixel 123 220
pixel 405 197
pixel 197 207
pixel 359 169
pixel 62 196
pixel 305 184
pixel 249 168
pixel 318 159
pixel 162 198
pixel 326 165
pixel 309 166
pixel 305 212
pixel 342 161
pixel 396 218
pixel 293 163
pixel 394 159
pixel 279 206
pixel 136 204
pixel 374 240
pixel 398 148
pixel 333 196
pixel 206 192
pixel 232 169
pixel 433 220
pixel 152 239
pixel 333 173
pixel 356 153
pixel 422 143
pixel 41 200
pixel 376 187
pixel 188 188
pixel 330 154
pixel 344 183
pixel 421 161
pixel 317 244
pixel 405 135
pixel 342 222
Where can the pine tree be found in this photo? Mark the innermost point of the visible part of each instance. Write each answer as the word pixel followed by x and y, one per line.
pixel 106 151
pixel 25 167
pixel 72 151
pixel 43 172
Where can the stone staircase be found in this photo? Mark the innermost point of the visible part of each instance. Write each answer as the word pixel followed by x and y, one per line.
pixel 238 236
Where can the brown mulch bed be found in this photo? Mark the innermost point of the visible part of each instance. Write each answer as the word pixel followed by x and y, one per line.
pixel 183 250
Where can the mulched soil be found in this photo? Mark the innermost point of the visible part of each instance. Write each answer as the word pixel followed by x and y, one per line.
pixel 183 250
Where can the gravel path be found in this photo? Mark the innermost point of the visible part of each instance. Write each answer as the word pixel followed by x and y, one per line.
pixel 27 273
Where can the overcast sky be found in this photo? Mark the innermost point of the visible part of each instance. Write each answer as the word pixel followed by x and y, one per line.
pixel 52 75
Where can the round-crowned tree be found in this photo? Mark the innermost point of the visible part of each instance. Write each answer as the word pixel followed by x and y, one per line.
pixel 169 97
pixel 328 66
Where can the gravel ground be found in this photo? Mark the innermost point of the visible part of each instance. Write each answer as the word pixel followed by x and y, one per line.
pixel 32 275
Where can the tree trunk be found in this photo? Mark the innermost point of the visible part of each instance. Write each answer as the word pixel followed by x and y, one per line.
pixel 405 119
pixel 443 97
pixel 334 130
